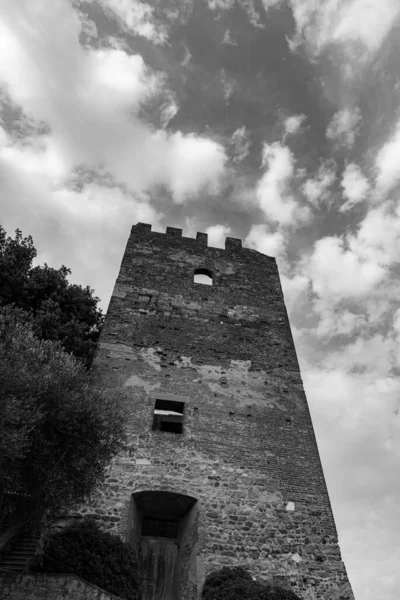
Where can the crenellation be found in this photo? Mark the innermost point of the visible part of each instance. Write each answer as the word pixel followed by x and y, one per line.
pixel 174 232
pixel 141 227
pixel 233 244
pixel 202 238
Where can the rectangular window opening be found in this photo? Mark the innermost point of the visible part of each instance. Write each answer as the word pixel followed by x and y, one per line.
pixel 159 527
pixel 168 416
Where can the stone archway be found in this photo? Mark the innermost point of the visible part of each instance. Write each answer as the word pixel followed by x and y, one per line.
pixel 163 528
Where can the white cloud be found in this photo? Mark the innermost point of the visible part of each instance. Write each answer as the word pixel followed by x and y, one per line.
pixel 368 21
pixel 217 234
pixel 84 228
pixel 88 27
pixel 220 4
pixel 78 184
pixel 228 85
pixel 241 144
pixel 396 322
pixel 387 163
pixel 137 18
pixel 227 39
pixel 355 186
pixel 354 398
pixel 253 16
pixel 42 157
pixel 316 189
pixel 195 164
pixel 168 110
pixel 273 192
pixel 90 99
pixel 338 272
pixel 358 438
pixel 354 278
pixel 293 124
pixel 345 24
pixel 248 6
pixel 271 4
pixel 344 126
pixel 296 288
pixel 375 353
pixel 262 239
pixel 118 79
pixel 337 320
pixel 378 236
pixel 187 58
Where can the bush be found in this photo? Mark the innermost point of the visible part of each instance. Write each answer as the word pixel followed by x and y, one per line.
pixel 84 549
pixel 58 432
pixel 237 584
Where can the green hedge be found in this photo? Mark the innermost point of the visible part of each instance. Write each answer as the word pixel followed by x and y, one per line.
pixel 237 584
pixel 101 558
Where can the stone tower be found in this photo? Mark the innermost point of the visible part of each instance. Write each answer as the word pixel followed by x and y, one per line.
pixel 221 466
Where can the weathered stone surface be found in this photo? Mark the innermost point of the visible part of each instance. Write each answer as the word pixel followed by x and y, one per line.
pixel 247 451
pixel 34 586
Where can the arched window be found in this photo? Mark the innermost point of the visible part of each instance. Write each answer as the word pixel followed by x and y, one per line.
pixel 203 276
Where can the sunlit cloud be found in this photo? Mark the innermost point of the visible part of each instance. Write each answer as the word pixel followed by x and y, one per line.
pixel 343 128
pixel 355 186
pixel 273 189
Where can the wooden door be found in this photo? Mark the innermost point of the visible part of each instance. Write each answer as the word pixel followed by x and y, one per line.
pixel 158 563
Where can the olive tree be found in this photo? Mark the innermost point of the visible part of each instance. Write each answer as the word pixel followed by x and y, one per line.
pixel 58 431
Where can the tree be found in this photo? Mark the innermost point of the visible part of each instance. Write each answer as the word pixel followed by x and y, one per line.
pixel 62 311
pixel 58 432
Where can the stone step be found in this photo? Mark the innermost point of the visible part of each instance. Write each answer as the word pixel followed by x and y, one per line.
pixel 19 553
pixel 14 560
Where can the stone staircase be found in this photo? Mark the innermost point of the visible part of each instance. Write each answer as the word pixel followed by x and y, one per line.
pixel 18 552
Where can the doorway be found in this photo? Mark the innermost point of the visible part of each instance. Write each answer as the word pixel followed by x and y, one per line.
pixel 163 528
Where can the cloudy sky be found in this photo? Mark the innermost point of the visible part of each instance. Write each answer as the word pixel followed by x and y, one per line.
pixel 276 121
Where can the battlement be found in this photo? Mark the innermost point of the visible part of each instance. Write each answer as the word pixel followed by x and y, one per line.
pixel 232 244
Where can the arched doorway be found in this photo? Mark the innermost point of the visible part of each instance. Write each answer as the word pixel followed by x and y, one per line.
pixel 163 528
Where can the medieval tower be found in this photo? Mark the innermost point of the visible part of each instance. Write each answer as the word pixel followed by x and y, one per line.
pixel 221 466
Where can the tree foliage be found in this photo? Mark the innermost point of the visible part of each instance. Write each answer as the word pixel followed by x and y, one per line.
pixel 101 558
pixel 235 583
pixel 57 431
pixel 62 311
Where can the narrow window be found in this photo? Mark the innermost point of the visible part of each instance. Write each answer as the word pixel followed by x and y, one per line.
pixel 168 416
pixel 203 276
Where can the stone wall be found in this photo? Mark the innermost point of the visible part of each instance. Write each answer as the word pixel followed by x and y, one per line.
pixel 35 586
pixel 248 451
pixel 188 575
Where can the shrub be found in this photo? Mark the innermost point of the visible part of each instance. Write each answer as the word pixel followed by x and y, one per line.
pixel 237 584
pixel 58 432
pixel 84 549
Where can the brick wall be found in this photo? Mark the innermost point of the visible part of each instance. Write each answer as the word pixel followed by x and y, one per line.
pixel 248 451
